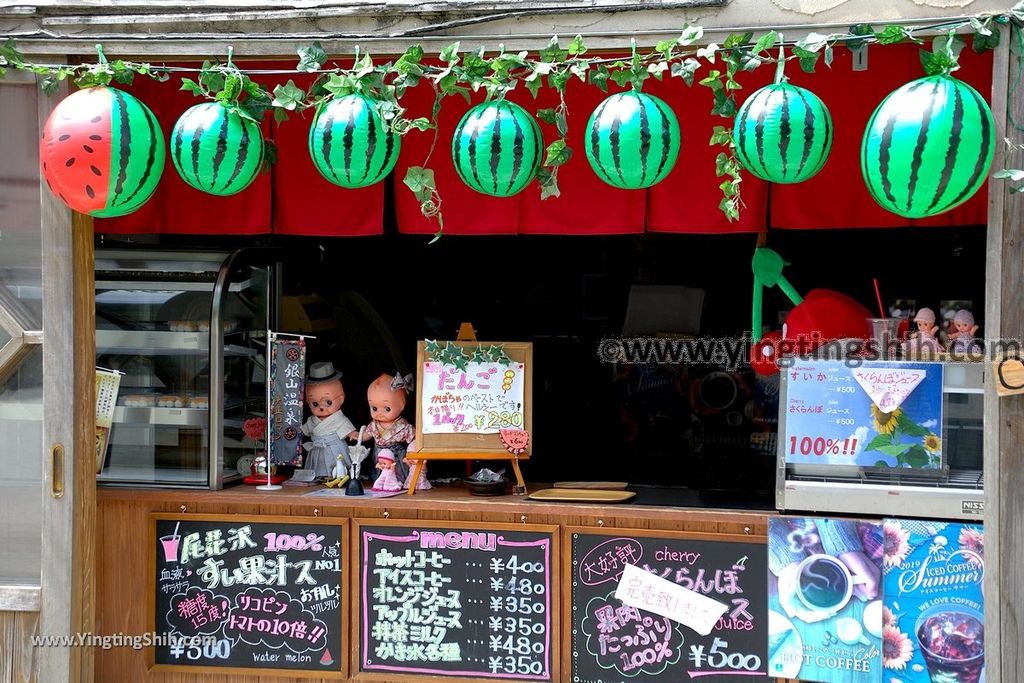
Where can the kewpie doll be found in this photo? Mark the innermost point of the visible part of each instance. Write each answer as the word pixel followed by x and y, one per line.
pixel 386 479
pixel 389 430
pixel 924 338
pixel 961 339
pixel 328 426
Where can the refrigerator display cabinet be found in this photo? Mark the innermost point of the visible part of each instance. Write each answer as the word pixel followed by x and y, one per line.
pixel 188 331
pixel 953 491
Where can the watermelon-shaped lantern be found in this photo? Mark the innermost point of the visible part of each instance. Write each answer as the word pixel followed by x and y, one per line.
pixel 928 147
pixel 632 140
pixel 216 150
pixel 497 148
pixel 102 152
pixel 783 133
pixel 350 144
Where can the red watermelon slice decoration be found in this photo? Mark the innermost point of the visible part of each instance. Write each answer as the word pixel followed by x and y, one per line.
pixel 102 152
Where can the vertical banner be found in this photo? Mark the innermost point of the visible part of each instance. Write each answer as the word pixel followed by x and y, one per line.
pixel 825 599
pixel 933 621
pixel 108 382
pixel 286 391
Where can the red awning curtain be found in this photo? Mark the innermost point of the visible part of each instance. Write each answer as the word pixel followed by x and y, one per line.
pixel 293 199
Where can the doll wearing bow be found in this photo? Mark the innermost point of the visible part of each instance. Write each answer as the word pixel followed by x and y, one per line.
pixel 390 431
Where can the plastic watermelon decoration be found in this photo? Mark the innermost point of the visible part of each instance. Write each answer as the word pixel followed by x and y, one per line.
pixel 497 148
pixel 928 146
pixel 783 133
pixel 350 144
pixel 632 140
pixel 102 152
pixel 216 150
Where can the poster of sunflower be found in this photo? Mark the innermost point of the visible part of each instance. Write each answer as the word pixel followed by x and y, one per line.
pixel 933 623
pixel 878 414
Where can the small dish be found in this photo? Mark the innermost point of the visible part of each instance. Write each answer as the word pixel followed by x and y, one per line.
pixel 244 465
pixel 486 488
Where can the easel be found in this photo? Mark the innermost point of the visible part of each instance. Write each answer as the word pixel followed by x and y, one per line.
pixel 466 446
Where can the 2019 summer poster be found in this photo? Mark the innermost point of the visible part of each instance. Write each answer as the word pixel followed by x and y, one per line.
pixel 825 599
pixel 933 619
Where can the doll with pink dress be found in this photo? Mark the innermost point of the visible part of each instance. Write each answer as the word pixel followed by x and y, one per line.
pixel 386 479
pixel 924 338
pixel 961 336
pixel 387 396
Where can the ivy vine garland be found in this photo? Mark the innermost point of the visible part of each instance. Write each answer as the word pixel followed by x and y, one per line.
pixel 454 356
pixel 462 73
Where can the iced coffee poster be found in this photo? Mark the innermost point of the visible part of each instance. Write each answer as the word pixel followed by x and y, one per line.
pixel 825 599
pixel 933 625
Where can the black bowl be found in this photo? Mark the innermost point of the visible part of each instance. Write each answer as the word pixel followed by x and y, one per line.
pixel 486 488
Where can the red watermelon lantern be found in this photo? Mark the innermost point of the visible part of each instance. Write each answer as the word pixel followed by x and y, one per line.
pixel 102 152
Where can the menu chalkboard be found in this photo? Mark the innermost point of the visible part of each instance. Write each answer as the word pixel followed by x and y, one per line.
pixel 265 595
pixel 467 600
pixel 615 642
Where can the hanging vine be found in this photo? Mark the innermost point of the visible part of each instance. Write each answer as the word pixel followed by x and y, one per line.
pixel 462 73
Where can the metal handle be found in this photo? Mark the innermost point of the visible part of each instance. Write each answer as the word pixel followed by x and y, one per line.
pixel 57 470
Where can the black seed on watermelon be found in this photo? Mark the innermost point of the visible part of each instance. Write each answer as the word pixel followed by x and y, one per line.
pixel 96 137
pixel 96 119
pixel 89 191
pixel 87 148
pixel 95 170
pixel 70 162
pixel 64 137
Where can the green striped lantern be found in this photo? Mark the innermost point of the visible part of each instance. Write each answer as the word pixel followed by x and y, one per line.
pixel 497 148
pixel 215 150
pixel 928 146
pixel 102 152
pixel 632 140
pixel 783 133
pixel 350 144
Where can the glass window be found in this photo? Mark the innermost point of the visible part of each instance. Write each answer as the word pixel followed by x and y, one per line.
pixel 20 389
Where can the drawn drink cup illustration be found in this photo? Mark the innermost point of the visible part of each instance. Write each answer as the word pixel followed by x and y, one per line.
pixel 170 544
pixel 952 641
pixel 824 583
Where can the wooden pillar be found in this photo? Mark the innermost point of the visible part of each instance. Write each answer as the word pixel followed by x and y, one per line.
pixel 1004 417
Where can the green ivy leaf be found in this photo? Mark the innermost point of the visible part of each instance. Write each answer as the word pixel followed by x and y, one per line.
pixel 657 69
pixel 721 136
pixel 533 86
pixel 191 86
pixel 420 123
pixel 936 63
pixel 766 42
pixel 982 42
pixel 548 181
pixel 859 30
pixel 50 85
pixel 561 124
pixel 559 79
pixel 665 47
pixel 1014 174
pixel 546 115
pixel 813 42
pixel 553 53
pixel 450 54
pixel 599 77
pixel 895 34
pixel 737 39
pixel 690 35
pixel 420 180
pixel 576 47
pixel 288 96
pixel 557 153
pixel 621 77
pixel 685 69
pixel 806 58
pixel 311 57
pixel 828 56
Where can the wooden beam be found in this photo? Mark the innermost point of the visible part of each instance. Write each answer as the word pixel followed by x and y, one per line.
pixel 19 599
pixel 1004 417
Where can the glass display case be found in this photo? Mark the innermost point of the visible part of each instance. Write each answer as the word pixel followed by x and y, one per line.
pixel 188 331
pixel 923 459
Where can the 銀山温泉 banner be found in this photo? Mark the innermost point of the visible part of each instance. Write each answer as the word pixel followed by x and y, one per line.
pixel 825 599
pixel 877 414
pixel 933 625
pixel 287 386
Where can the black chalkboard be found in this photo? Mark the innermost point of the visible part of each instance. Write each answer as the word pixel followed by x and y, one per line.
pixel 614 643
pixel 266 595
pixel 463 600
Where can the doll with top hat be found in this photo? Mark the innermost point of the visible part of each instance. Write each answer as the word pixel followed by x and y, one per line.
pixel 961 335
pixel 327 427
pixel 387 396
pixel 924 338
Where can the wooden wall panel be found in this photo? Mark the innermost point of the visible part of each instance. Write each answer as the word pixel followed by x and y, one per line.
pixel 17 658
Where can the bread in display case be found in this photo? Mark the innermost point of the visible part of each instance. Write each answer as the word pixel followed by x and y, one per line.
pixel 188 330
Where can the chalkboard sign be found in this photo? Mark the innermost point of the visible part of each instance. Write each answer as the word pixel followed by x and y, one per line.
pixel 470 600
pixel 615 642
pixel 249 596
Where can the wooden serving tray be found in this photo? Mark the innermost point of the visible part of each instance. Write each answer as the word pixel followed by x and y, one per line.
pixel 593 485
pixel 582 495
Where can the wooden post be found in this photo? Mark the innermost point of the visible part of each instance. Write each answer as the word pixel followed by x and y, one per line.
pixel 1004 417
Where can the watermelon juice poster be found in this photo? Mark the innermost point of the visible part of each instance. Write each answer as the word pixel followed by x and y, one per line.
pixel 933 620
pixel 825 599
pixel 878 414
